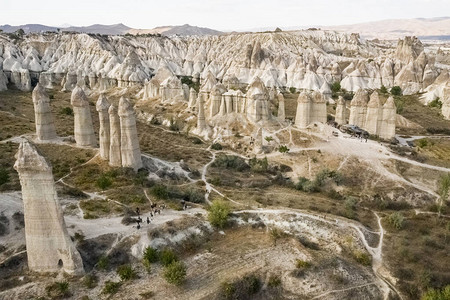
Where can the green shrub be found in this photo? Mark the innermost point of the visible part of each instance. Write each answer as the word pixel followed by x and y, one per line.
pixel 230 162
pixel 67 111
pixel 103 263
pixel 216 146
pixel 422 143
pixel 126 272
pixel 241 288
pixel 104 182
pixel 160 191
pixel 151 255
pixel 335 87
pixel 436 103
pixel 283 149
pixel 111 287
pixel 90 281
pixel 4 176
pixel 292 90
pixel 167 256
pixel 218 213
pixel 396 91
pixel 268 139
pixel 274 281
pixel 383 90
pixel 363 258
pixel 258 165
pixel 400 104
pixel 396 219
pixel 174 126
pixel 196 141
pixel 433 294
pixel 175 273
pixel 302 264
pixel 306 185
pixel 59 289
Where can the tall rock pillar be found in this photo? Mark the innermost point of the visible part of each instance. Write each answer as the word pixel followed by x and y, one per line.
pixel 115 157
pixel 281 110
pixel 49 247
pixel 341 112
pixel 45 129
pixel 129 141
pixel 102 108
pixel 201 122
pixel 83 128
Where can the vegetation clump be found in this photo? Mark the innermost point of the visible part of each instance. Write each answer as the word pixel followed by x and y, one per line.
pixel 218 213
pixel 396 219
pixel 111 287
pixel 175 272
pixel 126 272
pixel 59 289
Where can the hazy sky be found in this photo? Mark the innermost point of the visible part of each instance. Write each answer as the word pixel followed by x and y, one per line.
pixel 217 14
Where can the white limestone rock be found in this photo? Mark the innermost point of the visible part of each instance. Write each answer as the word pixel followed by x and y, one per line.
pixel 102 107
pixel 49 247
pixel 83 127
pixel 45 128
pixel 341 111
pixel 115 156
pixel 129 141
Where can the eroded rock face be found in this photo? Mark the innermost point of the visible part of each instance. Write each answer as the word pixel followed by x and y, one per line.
pixel 49 247
pixel 102 108
pixel 45 128
pixel 341 111
pixel 281 110
pixel 201 122
pixel 3 81
pixel 115 156
pixel 83 127
pixel 129 141
pixel 311 107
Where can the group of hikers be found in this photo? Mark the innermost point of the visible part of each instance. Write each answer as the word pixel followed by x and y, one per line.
pixel 153 211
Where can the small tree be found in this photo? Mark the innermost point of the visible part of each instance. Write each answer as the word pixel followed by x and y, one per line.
pixel 292 90
pixel 396 91
pixel 396 219
pixel 383 90
pixel 336 87
pixel 126 272
pixel 104 182
pixel 268 139
pixel 218 213
pixel 175 273
pixel 283 149
pixel 167 256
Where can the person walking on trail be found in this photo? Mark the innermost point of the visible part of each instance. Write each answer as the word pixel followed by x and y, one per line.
pixel 138 211
pixel 148 220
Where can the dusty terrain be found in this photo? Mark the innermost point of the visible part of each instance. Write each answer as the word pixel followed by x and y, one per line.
pixel 341 230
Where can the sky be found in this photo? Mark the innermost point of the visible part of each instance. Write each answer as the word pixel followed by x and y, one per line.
pixel 217 14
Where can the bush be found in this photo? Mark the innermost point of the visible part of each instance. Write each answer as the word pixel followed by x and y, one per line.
pixel 335 87
pixel 167 256
pixel 104 182
pixel 230 162
pixel 433 294
pixel 151 255
pixel 4 176
pixel 174 126
pixel 160 191
pixel 103 263
pixel 90 281
pixel 258 165
pixel 436 103
pixel 306 185
pixel 274 281
pixel 126 272
pixel 242 288
pixel 396 219
pixel 422 143
pixel 363 258
pixel 396 91
pixel 218 213
pixel 67 111
pixel 175 273
pixel 292 90
pixel 383 90
pixel 111 287
pixel 283 149
pixel 216 146
pixel 301 264
pixel 59 289
pixel 399 103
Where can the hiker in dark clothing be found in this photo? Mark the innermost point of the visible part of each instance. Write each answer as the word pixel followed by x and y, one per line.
pixel 138 211
pixel 148 220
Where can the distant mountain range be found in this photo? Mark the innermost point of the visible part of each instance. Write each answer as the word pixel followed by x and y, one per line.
pixel 116 29
pixel 431 28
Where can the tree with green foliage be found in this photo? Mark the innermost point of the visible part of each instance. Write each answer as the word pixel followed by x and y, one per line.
pixel 126 272
pixel 396 90
pixel 218 213
pixel 396 219
pixel 292 90
pixel 175 273
pixel 433 294
pixel 335 87
pixel 268 138
pixel 167 256
pixel 283 149
pixel 383 90
pixel 104 182
pixel 443 191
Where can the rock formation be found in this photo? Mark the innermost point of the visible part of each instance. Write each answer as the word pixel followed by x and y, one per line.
pixel 201 122
pixel 372 115
pixel 83 127
pixel 129 141
pixel 49 247
pixel 311 107
pixel 115 156
pixel 341 111
pixel 102 108
pixel 45 129
pixel 281 110
pixel 192 98
pixel 3 81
